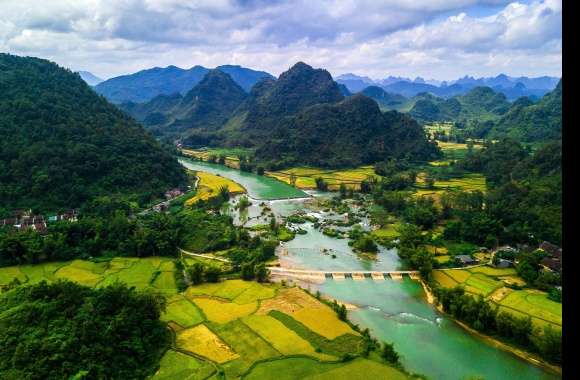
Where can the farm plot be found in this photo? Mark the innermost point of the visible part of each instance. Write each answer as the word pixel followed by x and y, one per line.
pixel 209 186
pixel 323 321
pixel 535 304
pixel 282 338
pixel 179 366
pixel 308 369
pixel 181 311
pixel 249 345
pixel 202 341
pixel 305 177
pixel 224 312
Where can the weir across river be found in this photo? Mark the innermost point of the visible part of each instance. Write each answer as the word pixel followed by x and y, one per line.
pixel 342 275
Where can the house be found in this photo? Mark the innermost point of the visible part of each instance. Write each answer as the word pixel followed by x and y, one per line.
pixel 465 260
pixel 551 264
pixel 503 263
pixel 551 249
pixel 170 194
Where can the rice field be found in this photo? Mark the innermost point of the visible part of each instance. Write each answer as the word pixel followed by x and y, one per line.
pixel 201 341
pixel 282 338
pixel 182 311
pixel 490 282
pixel 151 273
pixel 209 186
pixel 179 366
pixel 534 303
pixel 308 369
pixel 322 321
pixel 228 326
pixel 223 312
pixel 305 177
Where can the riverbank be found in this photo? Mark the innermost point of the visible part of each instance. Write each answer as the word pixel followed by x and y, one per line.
pixel 529 357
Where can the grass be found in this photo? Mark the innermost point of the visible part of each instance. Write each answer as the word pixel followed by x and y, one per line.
pixel 181 311
pixel 281 337
pixel 179 366
pixel 209 186
pixel 224 312
pixel 202 341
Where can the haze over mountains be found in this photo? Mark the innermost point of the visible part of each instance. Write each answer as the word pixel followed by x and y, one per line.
pixel 144 85
pixel 512 87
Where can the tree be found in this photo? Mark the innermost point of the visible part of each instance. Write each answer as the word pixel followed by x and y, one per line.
pixel 247 271
pixel 389 354
pixel 212 273
pixel 195 273
pixel 262 273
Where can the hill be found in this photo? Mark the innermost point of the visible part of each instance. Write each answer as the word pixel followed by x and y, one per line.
pixel 530 122
pixel 62 145
pixel 386 100
pixel 206 106
pixel 271 101
pixel 480 103
pixel 350 133
pixel 145 85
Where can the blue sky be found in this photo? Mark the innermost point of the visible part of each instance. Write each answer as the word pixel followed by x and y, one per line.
pixel 439 39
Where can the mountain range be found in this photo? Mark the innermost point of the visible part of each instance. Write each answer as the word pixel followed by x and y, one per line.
pixel 145 85
pixel 512 87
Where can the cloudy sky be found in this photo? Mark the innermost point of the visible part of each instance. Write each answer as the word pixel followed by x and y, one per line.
pixel 440 39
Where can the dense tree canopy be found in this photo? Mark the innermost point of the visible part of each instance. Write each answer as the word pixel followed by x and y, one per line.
pixel 61 144
pixel 61 330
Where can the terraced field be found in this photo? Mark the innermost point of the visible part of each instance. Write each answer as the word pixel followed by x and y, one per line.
pixel 490 283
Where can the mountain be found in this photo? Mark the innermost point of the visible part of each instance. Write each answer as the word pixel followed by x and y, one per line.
pixel 480 103
pixel 62 145
pixel 530 122
pixel 344 90
pixel 272 100
pixel 144 85
pixel 385 99
pixel 206 106
pixel 90 78
pixel 349 133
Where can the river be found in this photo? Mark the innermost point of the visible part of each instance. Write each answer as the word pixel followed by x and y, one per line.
pixel 394 311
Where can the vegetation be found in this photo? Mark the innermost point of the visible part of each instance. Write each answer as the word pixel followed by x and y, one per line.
pixel 479 314
pixel 61 145
pixel 62 330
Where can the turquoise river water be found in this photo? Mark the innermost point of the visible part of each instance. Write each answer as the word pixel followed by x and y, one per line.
pixel 394 311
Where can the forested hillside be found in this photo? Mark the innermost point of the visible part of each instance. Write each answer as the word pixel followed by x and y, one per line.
pixel 61 144
pixel 531 122
pixel 207 106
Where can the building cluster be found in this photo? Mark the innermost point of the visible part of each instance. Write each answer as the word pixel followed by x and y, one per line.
pixel 26 220
pixel 553 260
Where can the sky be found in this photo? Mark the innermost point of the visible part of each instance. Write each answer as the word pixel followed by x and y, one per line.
pixel 433 39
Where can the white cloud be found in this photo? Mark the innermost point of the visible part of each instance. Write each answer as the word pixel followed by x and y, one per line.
pixel 430 38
